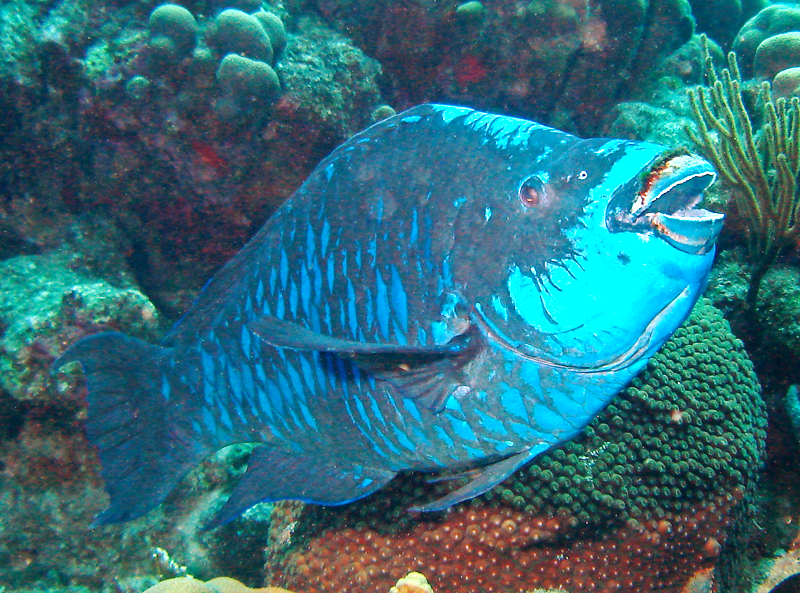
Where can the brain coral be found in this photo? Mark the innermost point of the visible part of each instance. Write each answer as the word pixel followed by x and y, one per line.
pixel 770 21
pixel 173 31
pixel 217 585
pixel 248 78
pixel 638 502
pixel 237 32
pixel 275 29
pixel 777 53
pixel 247 86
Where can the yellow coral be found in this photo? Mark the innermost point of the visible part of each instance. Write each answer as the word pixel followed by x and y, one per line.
pixel 413 582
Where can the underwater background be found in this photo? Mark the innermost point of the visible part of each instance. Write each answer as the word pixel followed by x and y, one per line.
pixel 143 144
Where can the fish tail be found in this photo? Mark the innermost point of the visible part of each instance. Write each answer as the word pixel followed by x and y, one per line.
pixel 137 421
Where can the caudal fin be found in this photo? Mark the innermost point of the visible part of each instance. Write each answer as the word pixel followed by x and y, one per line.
pixel 136 420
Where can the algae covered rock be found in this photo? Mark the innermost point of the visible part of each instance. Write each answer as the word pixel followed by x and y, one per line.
pixel 773 332
pixel 557 62
pixel 45 304
pixel 328 81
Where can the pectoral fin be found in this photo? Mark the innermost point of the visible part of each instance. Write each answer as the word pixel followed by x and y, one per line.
pixel 484 479
pixel 426 374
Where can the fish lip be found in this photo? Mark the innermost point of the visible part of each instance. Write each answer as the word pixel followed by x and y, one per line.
pixel 665 205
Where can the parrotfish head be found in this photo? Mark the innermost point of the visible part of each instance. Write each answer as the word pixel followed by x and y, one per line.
pixel 598 255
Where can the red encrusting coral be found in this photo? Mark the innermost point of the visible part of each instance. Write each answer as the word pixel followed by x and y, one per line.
pixel 486 550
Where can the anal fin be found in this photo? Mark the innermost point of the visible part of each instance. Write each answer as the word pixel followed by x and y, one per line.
pixel 274 475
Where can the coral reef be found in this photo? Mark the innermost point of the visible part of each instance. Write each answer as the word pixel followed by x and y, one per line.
pixel 151 144
pixel 142 144
pixel 557 62
pixel 661 114
pixel 51 491
pixel 123 191
pixel 774 342
pixel 638 502
pixel 49 477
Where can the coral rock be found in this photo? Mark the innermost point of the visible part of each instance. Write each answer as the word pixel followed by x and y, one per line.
pixel 251 79
pixel 772 20
pixel 786 83
pixel 45 304
pixel 248 86
pixel 276 31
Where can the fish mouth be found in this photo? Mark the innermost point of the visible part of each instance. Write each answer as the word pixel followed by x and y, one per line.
pixel 666 203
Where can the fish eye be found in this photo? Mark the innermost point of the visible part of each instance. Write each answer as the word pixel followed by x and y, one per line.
pixel 582 175
pixel 532 192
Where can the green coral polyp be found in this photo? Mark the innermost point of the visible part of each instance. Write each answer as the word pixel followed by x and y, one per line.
pixel 690 427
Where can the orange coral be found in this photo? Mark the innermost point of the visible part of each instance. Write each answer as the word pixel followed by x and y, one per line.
pixel 496 549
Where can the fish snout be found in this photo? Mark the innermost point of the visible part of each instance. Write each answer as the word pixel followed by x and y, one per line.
pixel 666 203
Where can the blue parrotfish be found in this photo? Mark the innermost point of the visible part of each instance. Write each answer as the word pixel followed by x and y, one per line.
pixel 449 291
